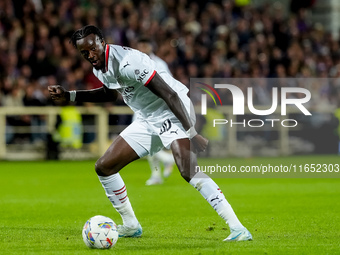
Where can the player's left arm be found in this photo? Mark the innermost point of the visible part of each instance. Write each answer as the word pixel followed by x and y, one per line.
pixel 159 87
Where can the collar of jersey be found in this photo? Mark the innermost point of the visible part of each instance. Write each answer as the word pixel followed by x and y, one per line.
pixel 107 50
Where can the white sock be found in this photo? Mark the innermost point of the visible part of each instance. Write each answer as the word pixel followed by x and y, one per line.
pixel 212 193
pixel 115 190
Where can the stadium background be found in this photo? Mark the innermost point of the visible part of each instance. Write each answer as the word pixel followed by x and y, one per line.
pixel 44 204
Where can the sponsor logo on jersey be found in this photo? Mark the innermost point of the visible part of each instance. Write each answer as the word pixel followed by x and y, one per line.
pixel 128 89
pixel 127 93
pixel 143 75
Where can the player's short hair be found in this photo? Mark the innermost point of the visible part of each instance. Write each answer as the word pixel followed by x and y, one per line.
pixel 144 39
pixel 85 31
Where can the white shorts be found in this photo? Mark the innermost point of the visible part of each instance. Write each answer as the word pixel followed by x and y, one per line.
pixel 148 136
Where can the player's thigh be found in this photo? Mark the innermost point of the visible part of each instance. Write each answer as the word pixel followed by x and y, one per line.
pixel 141 137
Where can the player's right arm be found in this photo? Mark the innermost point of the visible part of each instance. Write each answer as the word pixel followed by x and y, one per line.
pixel 103 94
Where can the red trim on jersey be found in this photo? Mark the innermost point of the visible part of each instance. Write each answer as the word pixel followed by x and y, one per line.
pixel 107 57
pixel 152 75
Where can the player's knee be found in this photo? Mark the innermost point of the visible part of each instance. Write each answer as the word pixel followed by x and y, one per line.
pixel 99 168
pixel 102 169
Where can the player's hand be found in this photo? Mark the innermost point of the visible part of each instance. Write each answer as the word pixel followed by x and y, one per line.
pixel 200 143
pixel 58 93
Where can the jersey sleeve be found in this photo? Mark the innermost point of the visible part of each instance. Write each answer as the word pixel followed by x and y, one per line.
pixel 137 67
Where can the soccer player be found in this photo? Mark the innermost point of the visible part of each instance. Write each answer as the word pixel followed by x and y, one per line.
pixel 163 120
pixel 163 157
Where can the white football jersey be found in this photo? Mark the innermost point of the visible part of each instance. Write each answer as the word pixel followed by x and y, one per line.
pixel 160 62
pixel 129 71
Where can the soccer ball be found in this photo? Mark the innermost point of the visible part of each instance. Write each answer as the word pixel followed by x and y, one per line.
pixel 100 232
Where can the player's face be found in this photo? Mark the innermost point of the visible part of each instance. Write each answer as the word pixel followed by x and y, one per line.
pixel 144 47
pixel 93 50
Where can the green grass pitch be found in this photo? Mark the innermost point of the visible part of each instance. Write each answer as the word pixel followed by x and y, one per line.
pixel 44 205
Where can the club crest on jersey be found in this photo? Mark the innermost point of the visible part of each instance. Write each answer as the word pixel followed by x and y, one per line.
pixel 165 126
pixel 142 76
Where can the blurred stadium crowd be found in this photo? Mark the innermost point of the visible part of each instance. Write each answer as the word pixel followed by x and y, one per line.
pixel 196 39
